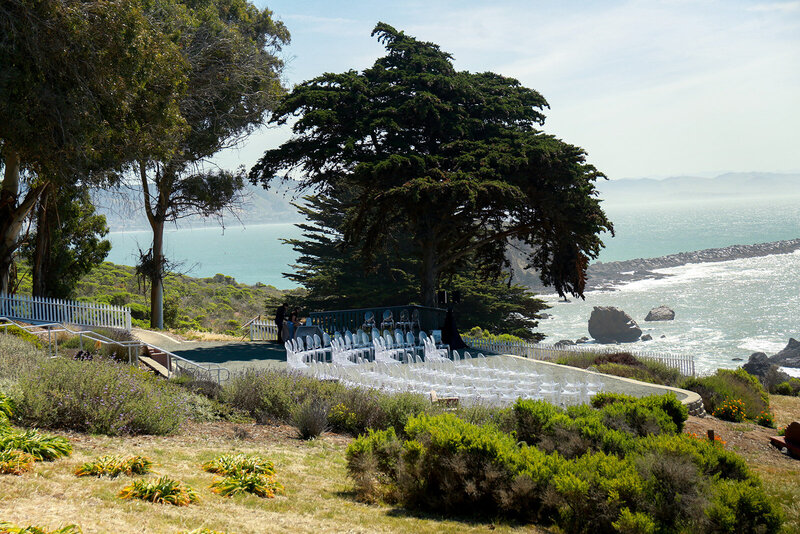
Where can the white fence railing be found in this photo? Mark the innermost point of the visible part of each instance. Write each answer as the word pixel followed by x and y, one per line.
pixel 262 329
pixel 539 351
pixel 46 310
pixel 175 365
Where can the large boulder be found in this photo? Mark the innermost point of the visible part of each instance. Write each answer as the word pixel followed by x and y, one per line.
pixel 661 313
pixel 608 324
pixel 789 356
pixel 758 364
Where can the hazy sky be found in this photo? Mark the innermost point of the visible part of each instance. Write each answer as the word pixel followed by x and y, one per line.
pixel 648 88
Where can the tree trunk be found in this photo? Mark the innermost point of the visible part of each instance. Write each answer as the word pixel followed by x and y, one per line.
pixel 12 214
pixel 41 253
pixel 157 276
pixel 429 274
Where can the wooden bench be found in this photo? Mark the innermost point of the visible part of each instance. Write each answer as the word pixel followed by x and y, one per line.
pixel 449 403
pixel 790 440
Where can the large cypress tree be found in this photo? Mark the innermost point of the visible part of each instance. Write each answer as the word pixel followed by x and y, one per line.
pixel 454 160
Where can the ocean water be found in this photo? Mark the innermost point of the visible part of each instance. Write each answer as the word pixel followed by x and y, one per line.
pixel 251 254
pixel 723 310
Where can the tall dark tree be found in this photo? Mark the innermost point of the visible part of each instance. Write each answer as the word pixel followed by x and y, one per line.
pixel 84 87
pixel 234 79
pixel 456 160
pixel 333 275
pixel 68 242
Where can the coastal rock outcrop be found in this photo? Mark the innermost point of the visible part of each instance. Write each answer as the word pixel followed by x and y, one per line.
pixel 661 313
pixel 608 324
pixel 789 356
pixel 758 364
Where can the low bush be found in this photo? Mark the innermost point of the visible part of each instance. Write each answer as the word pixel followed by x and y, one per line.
pixel 311 418
pixel 789 388
pixel 41 446
pixel 15 462
pixel 276 395
pixel 114 466
pixel 730 384
pixel 163 490
pixel 766 419
pixel 8 528
pixel 247 482
pixel 100 396
pixel 626 365
pixel 625 481
pixel 228 464
pixel 731 410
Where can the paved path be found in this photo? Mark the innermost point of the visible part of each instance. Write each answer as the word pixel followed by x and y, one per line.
pixel 236 356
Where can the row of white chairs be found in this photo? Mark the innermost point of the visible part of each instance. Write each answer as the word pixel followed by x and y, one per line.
pixel 471 380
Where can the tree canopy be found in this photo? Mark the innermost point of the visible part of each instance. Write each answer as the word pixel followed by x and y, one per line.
pixel 85 87
pixel 231 48
pixel 332 273
pixel 454 160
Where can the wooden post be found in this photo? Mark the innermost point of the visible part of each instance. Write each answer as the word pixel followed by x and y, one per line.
pixel 710 435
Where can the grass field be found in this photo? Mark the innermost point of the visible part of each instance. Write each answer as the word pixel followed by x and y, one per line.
pixel 317 496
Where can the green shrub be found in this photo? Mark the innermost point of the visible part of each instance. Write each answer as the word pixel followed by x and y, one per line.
pixel 727 384
pixel 238 482
pixel 114 466
pixel 40 446
pixel 15 462
pixel 664 482
pixel 766 419
pixel 311 418
pixel 100 396
pixel 731 410
pixel 8 528
pixel 163 490
pixel 742 508
pixel 228 464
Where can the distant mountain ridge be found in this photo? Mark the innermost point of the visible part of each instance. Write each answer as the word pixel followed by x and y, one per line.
pixel 729 185
pixel 124 209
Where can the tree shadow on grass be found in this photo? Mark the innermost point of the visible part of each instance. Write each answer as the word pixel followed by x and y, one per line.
pixel 468 521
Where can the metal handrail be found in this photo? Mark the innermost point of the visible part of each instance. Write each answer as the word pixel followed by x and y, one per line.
pixel 210 369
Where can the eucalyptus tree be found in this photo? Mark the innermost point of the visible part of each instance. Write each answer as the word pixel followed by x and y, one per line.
pixel 456 160
pixel 85 88
pixel 234 78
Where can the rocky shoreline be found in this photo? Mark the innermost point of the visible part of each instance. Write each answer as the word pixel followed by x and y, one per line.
pixel 604 276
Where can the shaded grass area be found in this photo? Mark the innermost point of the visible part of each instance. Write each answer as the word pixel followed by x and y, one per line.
pixel 317 495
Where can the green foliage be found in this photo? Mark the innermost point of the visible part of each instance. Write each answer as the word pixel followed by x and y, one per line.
pixel 727 384
pixel 766 419
pixel 311 418
pixel 731 410
pixel 113 466
pixel 8 528
pixel 15 462
pixel 16 331
pixel 238 482
pixel 789 388
pixel 99 396
pixel 163 490
pixel 68 241
pixel 229 464
pixel 626 365
pixel 41 446
pixel 742 508
pixel 453 160
pixel 665 482
pixel 199 300
pixel 7 409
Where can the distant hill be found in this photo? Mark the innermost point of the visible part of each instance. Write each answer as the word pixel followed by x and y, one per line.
pixel 730 185
pixel 124 209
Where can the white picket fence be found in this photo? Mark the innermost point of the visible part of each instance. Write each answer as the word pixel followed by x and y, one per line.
pixel 262 329
pixel 46 310
pixel 551 353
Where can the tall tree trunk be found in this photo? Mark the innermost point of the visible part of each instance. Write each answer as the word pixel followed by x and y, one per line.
pixel 429 273
pixel 41 253
pixel 12 214
pixel 157 276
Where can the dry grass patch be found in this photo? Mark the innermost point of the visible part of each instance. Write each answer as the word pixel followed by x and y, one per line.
pixel 317 497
